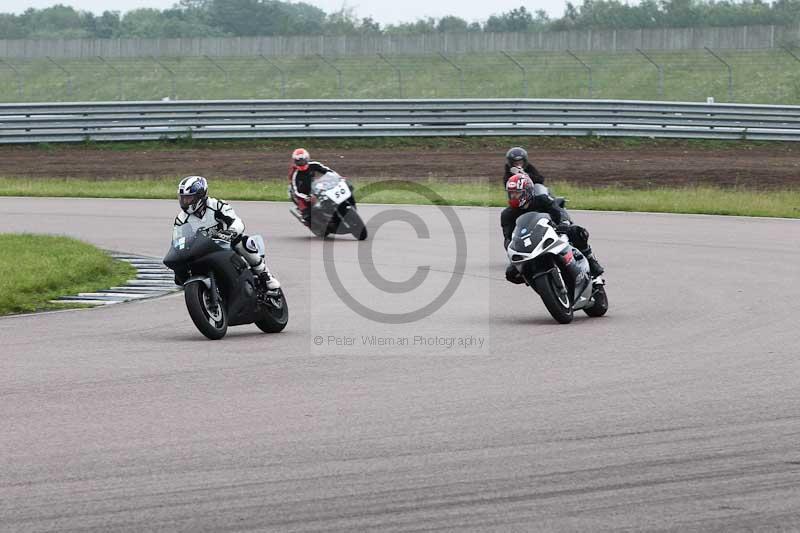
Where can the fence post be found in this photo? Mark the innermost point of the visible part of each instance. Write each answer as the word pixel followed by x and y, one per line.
pixel 117 72
pixel 588 69
pixel 660 73
pixel 65 71
pixel 280 70
pixel 522 69
pixel 20 82
pixel 730 72
pixel 338 73
pixel 460 73
pixel 225 72
pixel 171 74
pixel 399 74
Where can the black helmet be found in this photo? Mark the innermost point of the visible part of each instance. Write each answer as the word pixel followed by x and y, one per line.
pixel 517 157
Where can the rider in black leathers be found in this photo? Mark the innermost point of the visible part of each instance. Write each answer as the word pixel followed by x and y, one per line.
pixel 516 160
pixel 525 197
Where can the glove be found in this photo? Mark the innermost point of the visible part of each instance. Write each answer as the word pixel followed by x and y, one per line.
pixel 221 234
pixel 563 227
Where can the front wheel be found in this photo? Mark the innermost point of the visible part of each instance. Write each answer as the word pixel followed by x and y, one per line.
pixel 600 305
pixel 211 320
pixel 555 299
pixel 273 314
pixel 355 224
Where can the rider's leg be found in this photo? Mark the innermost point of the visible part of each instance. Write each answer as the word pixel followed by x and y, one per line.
pixel 249 252
pixel 579 237
pixel 305 208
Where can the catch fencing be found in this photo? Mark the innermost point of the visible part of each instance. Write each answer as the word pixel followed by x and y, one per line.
pixel 137 121
pixel 736 37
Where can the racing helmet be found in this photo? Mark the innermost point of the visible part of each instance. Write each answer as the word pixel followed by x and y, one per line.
pixel 192 193
pixel 517 157
pixel 300 158
pixel 519 188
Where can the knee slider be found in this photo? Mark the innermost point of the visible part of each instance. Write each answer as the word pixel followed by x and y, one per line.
pixel 250 244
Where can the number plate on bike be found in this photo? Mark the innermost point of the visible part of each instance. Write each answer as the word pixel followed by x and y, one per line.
pixel 339 194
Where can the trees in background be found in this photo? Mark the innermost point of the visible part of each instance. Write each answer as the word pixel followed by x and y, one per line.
pixel 210 18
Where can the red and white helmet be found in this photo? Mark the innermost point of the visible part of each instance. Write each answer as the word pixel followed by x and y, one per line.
pixel 300 158
pixel 519 188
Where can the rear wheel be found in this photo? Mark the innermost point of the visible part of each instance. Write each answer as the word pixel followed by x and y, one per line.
pixel 556 299
pixel 210 319
pixel 600 305
pixel 273 315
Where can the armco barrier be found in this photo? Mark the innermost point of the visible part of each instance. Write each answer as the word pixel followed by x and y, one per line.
pixel 249 119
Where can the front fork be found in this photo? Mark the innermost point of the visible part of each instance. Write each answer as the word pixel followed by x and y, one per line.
pixel 214 295
pixel 557 276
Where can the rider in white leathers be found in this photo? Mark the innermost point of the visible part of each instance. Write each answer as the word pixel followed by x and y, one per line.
pixel 203 212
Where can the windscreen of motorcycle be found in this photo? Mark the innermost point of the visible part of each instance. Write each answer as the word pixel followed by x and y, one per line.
pixel 182 236
pixel 329 180
pixel 528 232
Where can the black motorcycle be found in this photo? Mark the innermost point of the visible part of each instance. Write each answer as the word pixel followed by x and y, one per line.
pixel 220 289
pixel 333 208
pixel 555 269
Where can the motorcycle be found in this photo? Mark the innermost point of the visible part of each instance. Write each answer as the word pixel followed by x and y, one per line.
pixel 222 290
pixel 333 208
pixel 555 269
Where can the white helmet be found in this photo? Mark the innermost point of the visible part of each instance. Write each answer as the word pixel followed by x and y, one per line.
pixel 192 193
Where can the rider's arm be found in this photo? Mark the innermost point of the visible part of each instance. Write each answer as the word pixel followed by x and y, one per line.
pixel 225 215
pixel 508 219
pixel 295 190
pixel 535 175
pixel 318 168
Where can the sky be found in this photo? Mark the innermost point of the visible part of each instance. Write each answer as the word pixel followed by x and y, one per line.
pixel 383 11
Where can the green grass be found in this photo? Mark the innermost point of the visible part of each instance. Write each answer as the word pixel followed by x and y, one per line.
pixel 38 268
pixel 764 76
pixel 706 200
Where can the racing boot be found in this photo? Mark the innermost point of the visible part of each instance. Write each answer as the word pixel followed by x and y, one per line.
pixel 265 278
pixel 595 268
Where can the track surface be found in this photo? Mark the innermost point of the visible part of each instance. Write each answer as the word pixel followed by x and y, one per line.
pixel 680 409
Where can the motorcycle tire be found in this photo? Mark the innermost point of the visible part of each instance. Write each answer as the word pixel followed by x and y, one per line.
pixel 559 307
pixel 357 227
pixel 211 323
pixel 273 318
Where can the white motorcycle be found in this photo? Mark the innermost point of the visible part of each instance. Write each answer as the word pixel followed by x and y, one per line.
pixel 555 269
pixel 333 208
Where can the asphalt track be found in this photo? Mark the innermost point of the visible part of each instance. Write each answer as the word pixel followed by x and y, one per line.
pixel 679 410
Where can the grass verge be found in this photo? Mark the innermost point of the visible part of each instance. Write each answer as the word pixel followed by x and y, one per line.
pixel 702 200
pixel 38 268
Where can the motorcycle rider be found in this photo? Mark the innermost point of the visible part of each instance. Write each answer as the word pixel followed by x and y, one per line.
pixel 202 211
pixel 523 198
pixel 301 173
pixel 517 161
